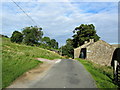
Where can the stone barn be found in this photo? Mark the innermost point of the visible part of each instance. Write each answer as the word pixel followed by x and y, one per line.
pixel 99 52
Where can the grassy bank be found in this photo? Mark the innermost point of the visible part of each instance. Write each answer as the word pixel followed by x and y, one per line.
pixel 101 74
pixel 17 59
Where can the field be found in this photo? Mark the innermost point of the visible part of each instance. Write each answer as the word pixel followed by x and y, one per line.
pixel 116 45
pixel 101 74
pixel 19 58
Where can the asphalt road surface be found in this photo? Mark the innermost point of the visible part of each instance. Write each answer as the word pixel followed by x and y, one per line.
pixel 66 73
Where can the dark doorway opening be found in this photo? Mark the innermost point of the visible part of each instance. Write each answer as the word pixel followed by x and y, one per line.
pixel 115 63
pixel 83 53
pixel 116 56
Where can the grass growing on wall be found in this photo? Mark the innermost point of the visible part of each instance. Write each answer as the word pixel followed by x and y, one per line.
pixel 101 74
pixel 17 59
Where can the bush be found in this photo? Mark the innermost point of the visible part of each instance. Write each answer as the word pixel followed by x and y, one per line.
pixel 16 37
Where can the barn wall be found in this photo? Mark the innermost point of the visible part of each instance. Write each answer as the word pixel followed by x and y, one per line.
pixel 100 52
pixel 77 52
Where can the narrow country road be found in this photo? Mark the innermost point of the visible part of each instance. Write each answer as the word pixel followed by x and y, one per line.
pixel 66 73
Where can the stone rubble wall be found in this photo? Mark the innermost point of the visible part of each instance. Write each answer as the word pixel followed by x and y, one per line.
pixel 78 50
pixel 100 52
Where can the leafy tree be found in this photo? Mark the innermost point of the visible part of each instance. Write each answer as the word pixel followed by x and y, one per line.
pixel 32 35
pixel 16 37
pixel 46 40
pixel 4 36
pixel 51 43
pixel 68 49
pixel 83 33
pixel 56 45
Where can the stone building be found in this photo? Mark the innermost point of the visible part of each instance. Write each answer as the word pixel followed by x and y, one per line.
pixel 99 52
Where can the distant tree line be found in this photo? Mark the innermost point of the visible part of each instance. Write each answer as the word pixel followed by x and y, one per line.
pixel 33 36
pixel 4 36
pixel 82 33
pixel 50 43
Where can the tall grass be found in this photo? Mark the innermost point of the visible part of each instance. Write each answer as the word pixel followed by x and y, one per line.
pixel 102 74
pixel 17 59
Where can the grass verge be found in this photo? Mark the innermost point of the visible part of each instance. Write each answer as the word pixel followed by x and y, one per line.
pixel 17 59
pixel 101 74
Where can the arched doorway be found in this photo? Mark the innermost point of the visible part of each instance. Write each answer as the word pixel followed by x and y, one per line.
pixel 83 53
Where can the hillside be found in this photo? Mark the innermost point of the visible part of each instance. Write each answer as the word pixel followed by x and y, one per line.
pixel 116 45
pixel 19 58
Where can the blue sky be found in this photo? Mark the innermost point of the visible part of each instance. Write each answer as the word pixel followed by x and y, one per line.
pixel 58 19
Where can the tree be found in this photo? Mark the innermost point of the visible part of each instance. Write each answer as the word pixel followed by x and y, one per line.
pixel 68 49
pixel 16 37
pixel 51 43
pixel 46 40
pixel 4 36
pixel 83 33
pixel 32 35
pixel 56 45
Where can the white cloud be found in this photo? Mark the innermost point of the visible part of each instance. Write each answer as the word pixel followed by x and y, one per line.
pixel 61 0
pixel 59 19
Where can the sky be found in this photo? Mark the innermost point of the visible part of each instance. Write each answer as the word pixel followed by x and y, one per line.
pixel 59 19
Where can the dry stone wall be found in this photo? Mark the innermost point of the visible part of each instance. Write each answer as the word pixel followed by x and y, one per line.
pixel 100 52
pixel 77 50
